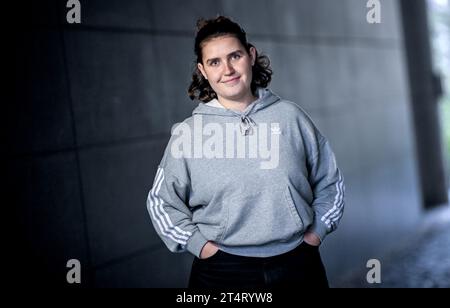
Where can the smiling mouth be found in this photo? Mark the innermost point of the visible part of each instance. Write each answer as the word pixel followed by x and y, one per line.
pixel 228 81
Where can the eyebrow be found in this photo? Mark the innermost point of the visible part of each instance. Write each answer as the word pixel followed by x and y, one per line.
pixel 239 51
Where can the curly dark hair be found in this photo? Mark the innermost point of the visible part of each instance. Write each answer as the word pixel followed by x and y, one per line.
pixel 220 26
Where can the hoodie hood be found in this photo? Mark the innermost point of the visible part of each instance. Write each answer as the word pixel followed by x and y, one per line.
pixel 265 99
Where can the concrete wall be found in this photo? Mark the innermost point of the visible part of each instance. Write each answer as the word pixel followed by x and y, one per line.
pixel 96 103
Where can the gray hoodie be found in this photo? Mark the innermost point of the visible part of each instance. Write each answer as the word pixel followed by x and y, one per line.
pixel 253 182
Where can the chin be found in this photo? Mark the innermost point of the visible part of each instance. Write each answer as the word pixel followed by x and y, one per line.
pixel 233 93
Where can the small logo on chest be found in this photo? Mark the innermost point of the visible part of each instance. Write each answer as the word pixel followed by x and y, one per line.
pixel 275 130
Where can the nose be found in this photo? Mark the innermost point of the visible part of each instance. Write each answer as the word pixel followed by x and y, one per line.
pixel 229 70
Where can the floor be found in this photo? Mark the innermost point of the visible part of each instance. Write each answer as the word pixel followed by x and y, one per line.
pixel 424 264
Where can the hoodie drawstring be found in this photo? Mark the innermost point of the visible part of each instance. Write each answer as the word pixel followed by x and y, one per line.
pixel 246 125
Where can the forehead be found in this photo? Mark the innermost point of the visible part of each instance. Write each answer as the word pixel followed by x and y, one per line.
pixel 220 46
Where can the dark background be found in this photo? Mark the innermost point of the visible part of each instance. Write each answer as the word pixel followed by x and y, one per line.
pixel 94 103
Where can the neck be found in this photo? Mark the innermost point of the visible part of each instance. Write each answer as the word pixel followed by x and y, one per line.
pixel 239 105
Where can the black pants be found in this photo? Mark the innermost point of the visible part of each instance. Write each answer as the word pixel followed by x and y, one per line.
pixel 300 267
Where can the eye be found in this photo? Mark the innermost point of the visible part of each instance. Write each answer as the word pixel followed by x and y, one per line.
pixel 236 56
pixel 214 63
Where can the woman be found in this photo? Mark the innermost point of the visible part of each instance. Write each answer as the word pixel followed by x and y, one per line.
pixel 248 184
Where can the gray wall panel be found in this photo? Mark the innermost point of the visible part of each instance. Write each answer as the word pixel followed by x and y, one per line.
pixel 128 67
pixel 117 180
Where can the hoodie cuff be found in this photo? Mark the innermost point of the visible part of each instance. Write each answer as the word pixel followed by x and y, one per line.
pixel 195 243
pixel 319 229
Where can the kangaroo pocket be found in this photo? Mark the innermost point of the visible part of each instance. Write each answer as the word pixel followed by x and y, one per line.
pixel 263 218
pixel 301 207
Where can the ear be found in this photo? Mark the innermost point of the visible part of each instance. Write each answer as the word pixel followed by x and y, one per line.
pixel 202 70
pixel 253 55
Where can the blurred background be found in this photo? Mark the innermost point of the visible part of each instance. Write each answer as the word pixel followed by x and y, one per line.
pixel 94 103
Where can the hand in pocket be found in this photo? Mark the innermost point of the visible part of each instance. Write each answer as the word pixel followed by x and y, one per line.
pixel 209 250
